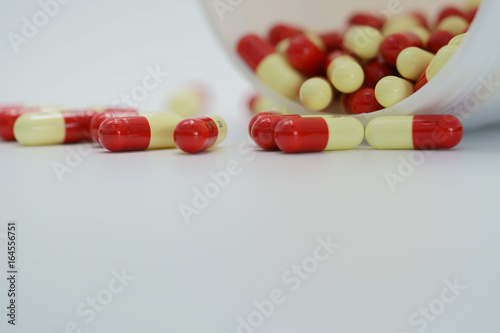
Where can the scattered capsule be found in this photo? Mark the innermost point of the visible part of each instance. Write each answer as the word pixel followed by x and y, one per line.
pixel 363 18
pixel 99 118
pixel 393 45
pixel 153 131
pixel 363 41
pixel 318 134
pixel 374 71
pixel 188 102
pixel 332 41
pixel 344 72
pixel 414 132
pixel 392 90
pixel 257 116
pixel 200 133
pixel 9 115
pixel 306 53
pixel 412 61
pixel 52 128
pixel 316 94
pixel 262 132
pixel 362 101
pixel 438 39
pixel 454 24
pixel 281 32
pixel 270 67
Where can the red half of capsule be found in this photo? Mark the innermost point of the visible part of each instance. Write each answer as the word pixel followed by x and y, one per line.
pixel 196 134
pixel 422 80
pixel 436 131
pixel 257 116
pixel 253 50
pixel 470 15
pixel 77 125
pixel 282 31
pixel 305 56
pixel 376 71
pixel 393 45
pixel 302 135
pixel 421 18
pixel 438 39
pixel 368 19
pixel 263 130
pixel 8 116
pixel 332 41
pixel 125 134
pixel 362 101
pixel 98 119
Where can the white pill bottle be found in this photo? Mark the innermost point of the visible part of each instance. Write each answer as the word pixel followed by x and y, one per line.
pixel 468 86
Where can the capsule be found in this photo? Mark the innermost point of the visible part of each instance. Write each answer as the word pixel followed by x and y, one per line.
pixel 412 61
pixel 153 131
pixel 257 116
pixel 363 41
pixel 188 102
pixel 393 45
pixel 99 118
pixel 457 40
pixel 344 72
pixel 306 53
pixel 318 134
pixel 454 24
pixel 364 18
pixel 362 101
pixel 316 94
pixel 200 133
pixel 258 103
pixel 414 132
pixel 375 71
pixel 400 24
pixel 52 128
pixel 281 32
pixel 438 39
pixel 270 67
pixel 392 90
pixel 438 62
pixel 449 11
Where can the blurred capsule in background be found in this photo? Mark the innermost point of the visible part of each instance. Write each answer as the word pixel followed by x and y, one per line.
pixel 197 134
pixel 189 101
pixel 258 103
pixel 54 127
pixel 152 131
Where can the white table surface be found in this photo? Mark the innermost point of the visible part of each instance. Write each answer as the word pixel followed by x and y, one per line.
pixel 397 246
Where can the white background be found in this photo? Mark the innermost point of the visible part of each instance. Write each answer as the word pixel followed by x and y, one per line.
pixel 121 211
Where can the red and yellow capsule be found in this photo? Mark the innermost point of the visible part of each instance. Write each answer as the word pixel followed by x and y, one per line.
pixel 152 131
pixel 51 128
pixel 270 67
pixel 414 132
pixel 99 118
pixel 318 134
pixel 197 134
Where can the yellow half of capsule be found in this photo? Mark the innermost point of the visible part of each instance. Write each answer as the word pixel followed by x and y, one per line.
pixel 392 89
pixel 277 74
pixel 412 62
pixel 390 132
pixel 344 133
pixel 162 127
pixel 316 94
pixel 39 129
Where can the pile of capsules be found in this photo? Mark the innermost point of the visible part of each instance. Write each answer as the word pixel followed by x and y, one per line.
pixel 372 64
pixel 116 129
